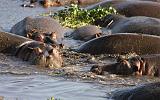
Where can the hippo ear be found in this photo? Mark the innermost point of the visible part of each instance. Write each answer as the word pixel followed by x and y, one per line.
pixel 29 35
pixel 53 35
pixel 61 46
pixel 37 50
pixel 50 51
pixel 98 35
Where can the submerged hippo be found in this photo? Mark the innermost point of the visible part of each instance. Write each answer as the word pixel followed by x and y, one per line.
pixel 149 91
pixel 86 33
pixel 132 7
pixel 139 65
pixel 138 24
pixel 37 28
pixel 122 43
pixel 36 52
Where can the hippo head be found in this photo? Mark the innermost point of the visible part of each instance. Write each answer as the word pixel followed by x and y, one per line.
pixel 121 67
pixel 133 65
pixel 48 38
pixel 40 54
pixel 138 65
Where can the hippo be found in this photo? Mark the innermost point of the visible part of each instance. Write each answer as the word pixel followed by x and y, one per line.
pixel 50 3
pixel 131 7
pixel 137 24
pixel 38 53
pixel 150 91
pixel 39 28
pixel 86 33
pixel 138 65
pixel 122 43
pixel 85 2
pixel 150 0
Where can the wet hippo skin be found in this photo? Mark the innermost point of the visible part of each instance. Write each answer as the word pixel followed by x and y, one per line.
pixel 137 24
pixel 51 3
pixel 122 43
pixel 86 33
pixel 139 65
pixel 132 7
pixel 150 91
pixel 35 52
pixel 30 26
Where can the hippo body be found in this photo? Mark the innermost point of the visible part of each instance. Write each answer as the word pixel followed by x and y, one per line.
pixel 122 43
pixel 132 8
pixel 86 33
pixel 149 91
pixel 52 3
pixel 138 24
pixel 29 26
pixel 36 52
pixel 139 65
pixel 85 2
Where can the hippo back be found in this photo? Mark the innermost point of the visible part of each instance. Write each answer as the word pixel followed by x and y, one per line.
pixel 132 7
pixel 39 24
pixel 86 33
pixel 146 92
pixel 9 42
pixel 122 43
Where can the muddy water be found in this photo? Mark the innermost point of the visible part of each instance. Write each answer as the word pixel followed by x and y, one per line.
pixel 40 87
pixel 23 81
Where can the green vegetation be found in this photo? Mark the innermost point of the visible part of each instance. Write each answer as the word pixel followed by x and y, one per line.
pixel 52 98
pixel 74 16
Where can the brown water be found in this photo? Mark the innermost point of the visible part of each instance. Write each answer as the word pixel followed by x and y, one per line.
pixel 22 81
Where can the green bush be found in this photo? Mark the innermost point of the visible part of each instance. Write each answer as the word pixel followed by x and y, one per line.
pixel 74 16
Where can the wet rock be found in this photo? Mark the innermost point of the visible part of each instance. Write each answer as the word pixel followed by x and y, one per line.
pixel 149 91
pixel 86 33
pixel 122 43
